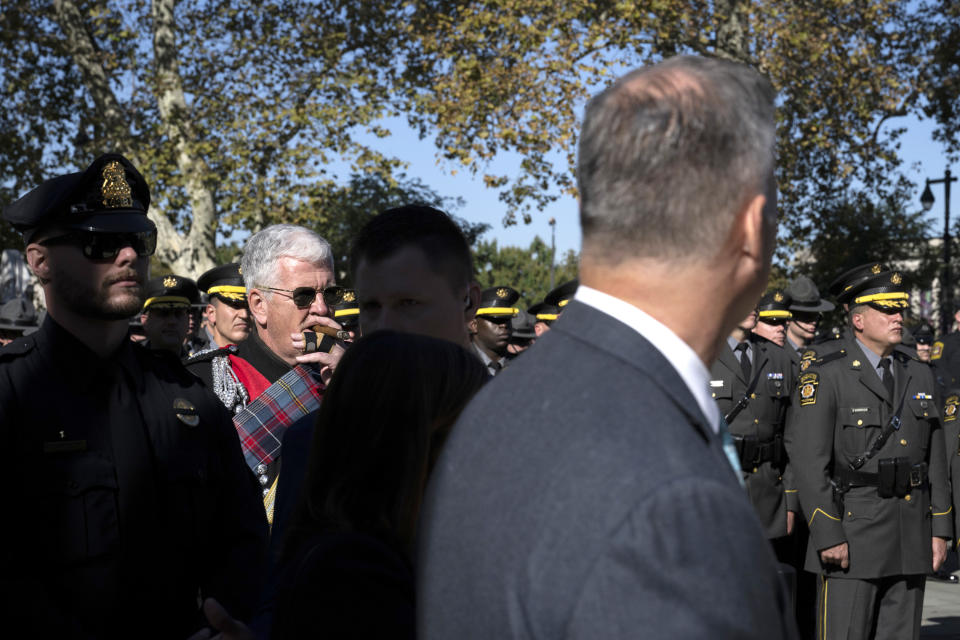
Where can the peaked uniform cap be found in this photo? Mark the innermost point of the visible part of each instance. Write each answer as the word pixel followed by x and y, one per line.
pixel 18 313
pixel 544 312
pixel 226 283
pixel 110 195
pixel 560 296
pixel 170 292
pixel 805 296
pixel 774 305
pixel 498 302
pixel 854 277
pixel 347 311
pixel 883 290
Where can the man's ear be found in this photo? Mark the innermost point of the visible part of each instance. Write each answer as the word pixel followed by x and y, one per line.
pixel 257 301
pixel 472 326
pixel 752 229
pixel 471 303
pixel 38 260
pixel 856 319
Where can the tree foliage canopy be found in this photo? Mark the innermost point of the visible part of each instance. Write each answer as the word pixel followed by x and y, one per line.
pixel 238 113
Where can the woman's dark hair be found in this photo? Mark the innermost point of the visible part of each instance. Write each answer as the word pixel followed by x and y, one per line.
pixel 385 414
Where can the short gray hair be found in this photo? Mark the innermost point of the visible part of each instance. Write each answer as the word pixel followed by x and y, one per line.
pixel 668 155
pixel 265 248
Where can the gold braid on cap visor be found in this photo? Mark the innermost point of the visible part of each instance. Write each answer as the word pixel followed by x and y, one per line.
pixel 775 313
pixel 229 291
pixel 497 311
pixel 167 301
pixel 890 300
pixel 339 313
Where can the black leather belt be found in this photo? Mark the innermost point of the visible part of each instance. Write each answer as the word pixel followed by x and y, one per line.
pixel 897 477
pixel 754 452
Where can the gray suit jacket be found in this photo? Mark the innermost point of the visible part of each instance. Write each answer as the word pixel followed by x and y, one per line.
pixel 581 495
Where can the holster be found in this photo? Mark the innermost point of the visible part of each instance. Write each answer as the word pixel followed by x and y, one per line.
pixel 840 489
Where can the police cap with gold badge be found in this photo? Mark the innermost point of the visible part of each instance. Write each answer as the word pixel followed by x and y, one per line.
pixel 560 296
pixel 110 196
pixel 774 307
pixel 347 312
pixel 497 302
pixel 854 277
pixel 170 292
pixel 225 283
pixel 884 290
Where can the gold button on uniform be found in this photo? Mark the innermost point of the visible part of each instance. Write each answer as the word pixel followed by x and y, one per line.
pixel 907 498
pixel 859 423
pixel 753 396
pixel 756 421
pixel 903 442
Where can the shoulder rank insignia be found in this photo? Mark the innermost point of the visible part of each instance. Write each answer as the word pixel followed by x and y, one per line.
pixel 808 388
pixel 806 358
pixel 937 350
pixel 950 408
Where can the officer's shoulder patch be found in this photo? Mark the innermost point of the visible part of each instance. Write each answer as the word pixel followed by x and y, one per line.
pixel 937 350
pixel 807 385
pixel 205 356
pixel 16 348
pixel 950 408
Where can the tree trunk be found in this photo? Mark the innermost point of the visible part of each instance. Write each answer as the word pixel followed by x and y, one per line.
pixel 189 254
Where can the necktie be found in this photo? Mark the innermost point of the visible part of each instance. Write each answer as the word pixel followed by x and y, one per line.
pixel 887 376
pixel 744 360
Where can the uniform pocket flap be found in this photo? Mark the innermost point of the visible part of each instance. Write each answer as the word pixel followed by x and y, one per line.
pixel 854 509
pixel 924 408
pixel 74 476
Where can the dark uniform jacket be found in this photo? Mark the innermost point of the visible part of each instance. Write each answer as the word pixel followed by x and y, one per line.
pixel 127 494
pixel 757 430
pixel 951 436
pixel 945 356
pixel 838 410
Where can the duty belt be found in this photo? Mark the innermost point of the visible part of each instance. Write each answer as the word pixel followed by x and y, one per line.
pixel 753 452
pixel 896 478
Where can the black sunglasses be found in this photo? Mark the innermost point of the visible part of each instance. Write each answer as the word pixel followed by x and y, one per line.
pixel 105 245
pixel 303 297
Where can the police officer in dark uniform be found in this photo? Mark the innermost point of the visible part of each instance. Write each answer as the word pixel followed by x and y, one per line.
pixel 945 354
pixel 164 316
pixel 127 492
pixel 347 313
pixel 751 381
pixel 226 312
pixel 865 442
pixel 490 330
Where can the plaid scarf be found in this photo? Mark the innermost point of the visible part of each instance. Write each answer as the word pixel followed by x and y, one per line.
pixel 262 423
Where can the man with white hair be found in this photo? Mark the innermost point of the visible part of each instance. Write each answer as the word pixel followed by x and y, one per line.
pixel 291 287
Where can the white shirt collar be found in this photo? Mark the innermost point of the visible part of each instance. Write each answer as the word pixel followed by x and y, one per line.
pixel 677 352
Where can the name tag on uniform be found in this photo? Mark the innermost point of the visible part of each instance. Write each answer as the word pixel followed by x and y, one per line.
pixel 64 446
pixel 860 410
pixel 716 383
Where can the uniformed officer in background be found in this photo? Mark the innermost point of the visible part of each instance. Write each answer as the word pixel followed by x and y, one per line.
pixel 751 381
pixel 226 314
pixel 17 318
pixel 774 312
pixel 865 442
pixel 128 494
pixel 490 330
pixel 347 313
pixel 165 310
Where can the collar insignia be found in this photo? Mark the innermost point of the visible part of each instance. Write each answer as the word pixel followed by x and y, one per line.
pixel 186 412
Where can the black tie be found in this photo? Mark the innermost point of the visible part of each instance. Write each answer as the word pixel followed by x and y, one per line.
pixel 744 360
pixel 887 376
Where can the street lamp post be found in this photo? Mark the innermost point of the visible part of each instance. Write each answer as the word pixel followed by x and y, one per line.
pixel 946 290
pixel 553 248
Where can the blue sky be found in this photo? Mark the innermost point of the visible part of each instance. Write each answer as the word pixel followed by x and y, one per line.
pixel 923 158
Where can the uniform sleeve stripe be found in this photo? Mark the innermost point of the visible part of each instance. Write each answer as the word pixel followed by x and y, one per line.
pixel 943 513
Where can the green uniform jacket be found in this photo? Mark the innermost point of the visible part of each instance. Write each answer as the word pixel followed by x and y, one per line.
pixel 768 485
pixel 951 436
pixel 838 409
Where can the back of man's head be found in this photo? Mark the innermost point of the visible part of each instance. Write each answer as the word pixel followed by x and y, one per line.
pixel 668 157
pixel 428 229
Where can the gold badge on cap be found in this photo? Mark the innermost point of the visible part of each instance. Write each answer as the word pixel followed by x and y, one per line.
pixel 896 278
pixel 349 296
pixel 240 270
pixel 186 412
pixel 502 293
pixel 778 297
pixel 169 282
pixel 875 269
pixel 116 190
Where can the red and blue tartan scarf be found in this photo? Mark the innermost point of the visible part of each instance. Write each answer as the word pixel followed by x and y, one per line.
pixel 262 423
